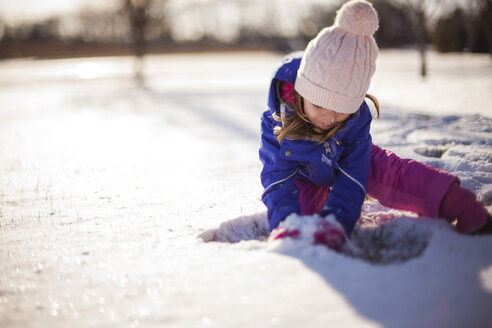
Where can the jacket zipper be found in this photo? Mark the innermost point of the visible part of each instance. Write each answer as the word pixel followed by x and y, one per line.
pixel 353 179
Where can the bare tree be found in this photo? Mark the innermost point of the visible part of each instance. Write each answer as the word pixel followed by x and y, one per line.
pixel 421 13
pixel 137 11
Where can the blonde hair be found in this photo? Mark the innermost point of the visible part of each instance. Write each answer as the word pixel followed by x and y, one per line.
pixel 297 125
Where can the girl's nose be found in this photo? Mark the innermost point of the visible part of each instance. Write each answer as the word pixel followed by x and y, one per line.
pixel 329 117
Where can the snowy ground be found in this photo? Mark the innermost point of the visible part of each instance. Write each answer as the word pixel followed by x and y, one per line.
pixel 110 194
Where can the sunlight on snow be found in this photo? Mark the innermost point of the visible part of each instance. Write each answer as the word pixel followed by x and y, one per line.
pixel 90 70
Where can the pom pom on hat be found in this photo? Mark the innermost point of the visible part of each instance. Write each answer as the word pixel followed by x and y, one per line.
pixel 357 17
pixel 338 64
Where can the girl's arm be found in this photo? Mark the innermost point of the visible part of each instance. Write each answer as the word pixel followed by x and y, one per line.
pixel 277 177
pixel 350 186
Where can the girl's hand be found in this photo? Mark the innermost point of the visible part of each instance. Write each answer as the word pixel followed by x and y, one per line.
pixel 328 234
pixel 281 233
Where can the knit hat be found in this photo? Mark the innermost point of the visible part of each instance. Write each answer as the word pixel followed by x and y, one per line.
pixel 338 64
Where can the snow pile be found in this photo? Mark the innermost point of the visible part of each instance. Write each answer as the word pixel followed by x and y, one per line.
pixel 381 236
pixel 397 240
pixel 376 242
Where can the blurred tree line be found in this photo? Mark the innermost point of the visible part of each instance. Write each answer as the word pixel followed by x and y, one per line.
pixel 148 25
pixel 465 30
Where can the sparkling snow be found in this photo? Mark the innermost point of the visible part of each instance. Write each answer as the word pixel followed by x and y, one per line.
pixel 125 205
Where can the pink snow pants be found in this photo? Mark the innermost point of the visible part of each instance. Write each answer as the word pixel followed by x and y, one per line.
pixel 397 183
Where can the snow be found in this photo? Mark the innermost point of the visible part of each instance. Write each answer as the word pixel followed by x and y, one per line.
pixel 125 205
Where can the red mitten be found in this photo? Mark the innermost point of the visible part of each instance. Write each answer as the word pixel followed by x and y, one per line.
pixel 329 234
pixel 461 204
pixel 281 233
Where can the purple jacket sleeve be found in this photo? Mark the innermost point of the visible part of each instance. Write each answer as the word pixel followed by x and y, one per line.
pixel 277 177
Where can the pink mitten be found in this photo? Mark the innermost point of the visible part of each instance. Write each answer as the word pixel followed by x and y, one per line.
pixel 461 204
pixel 281 233
pixel 329 234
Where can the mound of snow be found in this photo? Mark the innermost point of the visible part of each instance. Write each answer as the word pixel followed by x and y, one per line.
pixel 381 236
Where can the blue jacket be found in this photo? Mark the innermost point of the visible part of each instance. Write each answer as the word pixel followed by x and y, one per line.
pixel 341 163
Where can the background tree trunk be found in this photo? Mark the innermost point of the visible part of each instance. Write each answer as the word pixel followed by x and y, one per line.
pixel 421 12
pixel 137 14
pixel 486 20
pixel 421 34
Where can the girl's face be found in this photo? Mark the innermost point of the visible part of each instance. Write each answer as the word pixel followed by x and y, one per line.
pixel 322 118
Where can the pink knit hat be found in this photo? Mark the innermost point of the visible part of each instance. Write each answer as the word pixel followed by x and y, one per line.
pixel 338 64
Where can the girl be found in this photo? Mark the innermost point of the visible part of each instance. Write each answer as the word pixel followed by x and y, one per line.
pixel 316 149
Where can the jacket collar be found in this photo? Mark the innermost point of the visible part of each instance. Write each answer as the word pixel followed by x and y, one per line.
pixel 287 72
